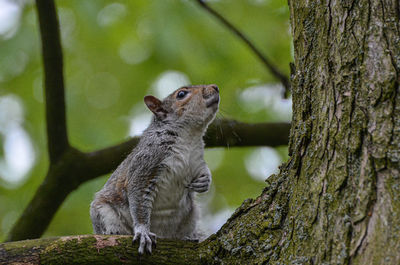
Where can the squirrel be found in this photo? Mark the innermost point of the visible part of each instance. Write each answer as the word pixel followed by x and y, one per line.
pixel 151 193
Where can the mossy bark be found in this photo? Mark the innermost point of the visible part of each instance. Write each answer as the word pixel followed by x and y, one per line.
pixel 95 249
pixel 337 199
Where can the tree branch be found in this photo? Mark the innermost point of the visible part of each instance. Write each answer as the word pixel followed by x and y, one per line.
pixel 61 179
pixel 272 68
pixel 231 133
pixel 242 237
pixel 96 249
pixel 221 133
pixel 54 81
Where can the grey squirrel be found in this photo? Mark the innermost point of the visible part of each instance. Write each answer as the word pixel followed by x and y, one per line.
pixel 151 193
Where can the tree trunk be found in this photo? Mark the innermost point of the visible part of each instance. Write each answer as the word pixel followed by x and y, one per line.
pixel 337 200
pixel 344 200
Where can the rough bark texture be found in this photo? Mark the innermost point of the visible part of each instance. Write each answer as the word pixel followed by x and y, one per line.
pixel 345 206
pixel 336 201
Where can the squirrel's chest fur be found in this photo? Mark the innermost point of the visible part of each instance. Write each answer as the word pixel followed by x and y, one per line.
pixel 174 201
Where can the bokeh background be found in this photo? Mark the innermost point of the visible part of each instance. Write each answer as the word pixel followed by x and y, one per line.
pixel 115 53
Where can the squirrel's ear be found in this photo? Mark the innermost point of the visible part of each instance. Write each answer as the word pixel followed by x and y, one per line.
pixel 154 104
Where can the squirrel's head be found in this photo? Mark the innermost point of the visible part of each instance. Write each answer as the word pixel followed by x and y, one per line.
pixel 194 106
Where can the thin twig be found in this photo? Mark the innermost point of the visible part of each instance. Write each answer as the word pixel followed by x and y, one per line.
pixel 54 80
pixel 272 68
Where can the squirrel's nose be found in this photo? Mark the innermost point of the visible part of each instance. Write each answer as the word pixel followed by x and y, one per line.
pixel 215 87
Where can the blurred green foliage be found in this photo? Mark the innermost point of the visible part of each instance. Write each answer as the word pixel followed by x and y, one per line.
pixel 114 53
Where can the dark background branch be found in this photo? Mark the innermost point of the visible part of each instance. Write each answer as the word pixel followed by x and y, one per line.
pixel 54 80
pixel 61 179
pixel 270 66
pixel 231 133
pixel 221 133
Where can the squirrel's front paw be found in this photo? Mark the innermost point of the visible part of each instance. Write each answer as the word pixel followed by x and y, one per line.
pixel 201 184
pixel 145 237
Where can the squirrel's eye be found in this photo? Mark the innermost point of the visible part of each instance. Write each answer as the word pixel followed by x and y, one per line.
pixel 181 94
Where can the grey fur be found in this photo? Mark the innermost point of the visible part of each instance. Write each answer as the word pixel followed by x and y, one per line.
pixel 151 193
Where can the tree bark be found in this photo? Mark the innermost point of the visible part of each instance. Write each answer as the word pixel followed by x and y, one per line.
pixel 336 201
pixel 95 249
pixel 345 205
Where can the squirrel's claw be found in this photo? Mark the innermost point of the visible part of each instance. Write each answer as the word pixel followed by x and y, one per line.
pixel 145 243
pixel 146 240
pixel 153 238
pixel 201 184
